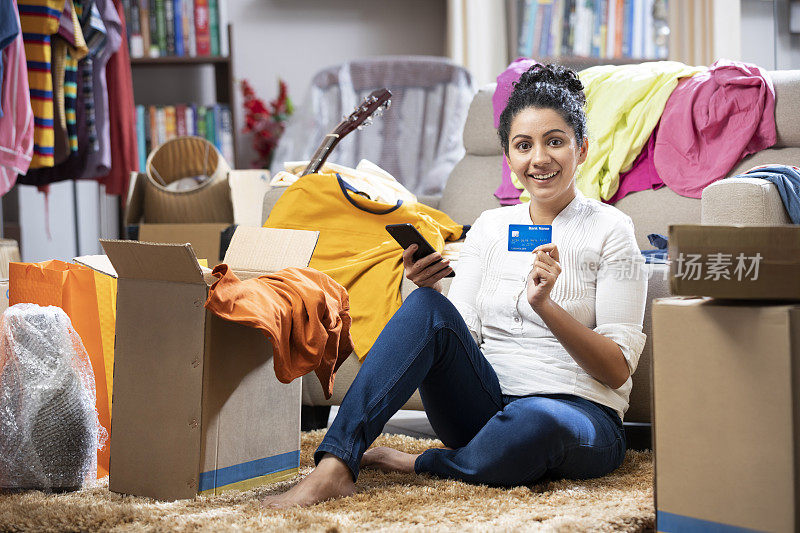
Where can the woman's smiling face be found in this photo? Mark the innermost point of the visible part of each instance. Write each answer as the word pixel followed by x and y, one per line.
pixel 544 153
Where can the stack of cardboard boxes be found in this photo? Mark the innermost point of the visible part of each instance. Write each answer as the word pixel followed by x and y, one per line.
pixel 726 380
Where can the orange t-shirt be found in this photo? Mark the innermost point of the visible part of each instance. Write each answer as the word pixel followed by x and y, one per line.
pixel 304 313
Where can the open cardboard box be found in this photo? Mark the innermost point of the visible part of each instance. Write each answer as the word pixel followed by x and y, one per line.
pixel 726 415
pixel 198 216
pixel 197 406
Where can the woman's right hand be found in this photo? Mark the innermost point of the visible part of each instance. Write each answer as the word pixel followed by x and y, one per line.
pixel 424 273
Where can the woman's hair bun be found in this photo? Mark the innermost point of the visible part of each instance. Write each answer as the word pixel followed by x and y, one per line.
pixel 557 75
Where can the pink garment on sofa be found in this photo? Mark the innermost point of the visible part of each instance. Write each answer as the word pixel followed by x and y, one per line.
pixel 642 175
pixel 711 121
pixel 507 193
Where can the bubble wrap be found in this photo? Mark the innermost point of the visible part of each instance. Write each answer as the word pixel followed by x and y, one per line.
pixel 49 429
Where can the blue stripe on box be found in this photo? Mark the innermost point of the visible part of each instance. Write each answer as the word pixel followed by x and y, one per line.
pixel 248 470
pixel 669 522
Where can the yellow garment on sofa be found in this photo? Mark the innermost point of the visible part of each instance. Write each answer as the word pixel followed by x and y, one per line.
pixel 623 105
pixel 354 247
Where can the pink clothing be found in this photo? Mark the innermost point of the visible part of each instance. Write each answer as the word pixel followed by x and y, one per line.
pixel 507 193
pixel 16 124
pixel 711 121
pixel 642 175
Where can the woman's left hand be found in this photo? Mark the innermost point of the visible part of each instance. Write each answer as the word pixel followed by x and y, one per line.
pixel 543 274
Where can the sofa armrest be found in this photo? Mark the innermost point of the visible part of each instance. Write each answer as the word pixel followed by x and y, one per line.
pixel 742 200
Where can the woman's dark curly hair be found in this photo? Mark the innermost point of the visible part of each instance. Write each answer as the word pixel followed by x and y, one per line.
pixel 546 87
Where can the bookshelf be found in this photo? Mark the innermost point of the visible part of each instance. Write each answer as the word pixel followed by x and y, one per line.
pixel 171 68
pixel 575 33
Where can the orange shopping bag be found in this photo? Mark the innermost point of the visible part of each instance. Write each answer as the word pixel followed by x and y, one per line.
pixel 86 297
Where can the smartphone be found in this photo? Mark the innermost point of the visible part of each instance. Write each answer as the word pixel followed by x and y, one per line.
pixel 406 235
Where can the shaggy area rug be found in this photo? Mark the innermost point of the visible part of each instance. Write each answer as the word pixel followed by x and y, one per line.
pixel 621 501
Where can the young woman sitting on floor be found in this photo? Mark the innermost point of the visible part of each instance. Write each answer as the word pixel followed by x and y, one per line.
pixel 524 368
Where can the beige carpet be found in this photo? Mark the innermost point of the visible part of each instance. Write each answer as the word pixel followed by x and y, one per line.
pixel 622 501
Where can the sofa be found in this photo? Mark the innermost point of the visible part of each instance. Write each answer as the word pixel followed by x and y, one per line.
pixel 471 184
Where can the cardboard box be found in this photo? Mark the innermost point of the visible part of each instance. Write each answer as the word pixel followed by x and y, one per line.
pixel 198 216
pixel 197 406
pixel 726 384
pixel 741 262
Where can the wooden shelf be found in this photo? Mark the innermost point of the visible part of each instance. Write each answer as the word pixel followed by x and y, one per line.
pixel 224 82
pixel 181 60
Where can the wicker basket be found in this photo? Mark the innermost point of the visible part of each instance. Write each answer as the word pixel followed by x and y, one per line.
pixel 176 159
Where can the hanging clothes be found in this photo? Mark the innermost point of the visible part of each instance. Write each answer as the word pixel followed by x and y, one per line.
pixel 304 314
pixel 87 162
pixel 39 20
pixel 16 124
pixel 354 247
pixel 9 29
pixel 711 122
pixel 68 46
pixel 121 115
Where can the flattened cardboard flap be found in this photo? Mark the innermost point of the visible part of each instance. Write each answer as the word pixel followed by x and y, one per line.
pixel 154 261
pixel 270 249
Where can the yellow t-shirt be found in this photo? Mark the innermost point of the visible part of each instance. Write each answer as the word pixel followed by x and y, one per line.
pixel 354 247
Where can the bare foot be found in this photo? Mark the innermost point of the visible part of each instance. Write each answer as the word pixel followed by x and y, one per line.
pixel 330 479
pixel 389 460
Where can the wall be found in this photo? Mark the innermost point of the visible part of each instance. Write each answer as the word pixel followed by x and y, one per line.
pixel 765 37
pixel 293 39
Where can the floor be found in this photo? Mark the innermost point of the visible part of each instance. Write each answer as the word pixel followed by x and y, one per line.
pixel 411 423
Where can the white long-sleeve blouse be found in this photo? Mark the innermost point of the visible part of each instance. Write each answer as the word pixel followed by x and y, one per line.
pixel 601 285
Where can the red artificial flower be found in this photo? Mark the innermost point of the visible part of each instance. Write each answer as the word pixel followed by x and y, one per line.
pixel 265 122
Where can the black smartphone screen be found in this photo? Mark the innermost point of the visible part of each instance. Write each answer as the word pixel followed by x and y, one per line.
pixel 406 235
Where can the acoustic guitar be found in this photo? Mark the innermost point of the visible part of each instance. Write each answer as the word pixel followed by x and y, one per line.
pixel 374 104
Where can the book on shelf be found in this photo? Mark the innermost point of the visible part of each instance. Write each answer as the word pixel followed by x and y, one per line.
pixel 179 28
pixel 169 26
pixel 153 28
pixel 156 125
pixel 213 27
pixel 177 24
pixel 202 30
pixel 587 28
pixel 141 136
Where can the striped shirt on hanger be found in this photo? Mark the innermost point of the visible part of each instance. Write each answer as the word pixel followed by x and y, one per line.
pixel 39 20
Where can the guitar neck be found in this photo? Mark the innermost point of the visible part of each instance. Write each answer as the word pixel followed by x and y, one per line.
pixel 322 153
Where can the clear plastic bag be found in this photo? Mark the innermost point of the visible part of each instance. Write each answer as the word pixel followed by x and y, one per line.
pixel 49 428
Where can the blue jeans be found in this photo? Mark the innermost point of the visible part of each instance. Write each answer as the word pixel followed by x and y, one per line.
pixel 496 439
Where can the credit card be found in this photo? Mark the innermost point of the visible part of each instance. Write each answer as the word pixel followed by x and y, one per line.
pixel 526 237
